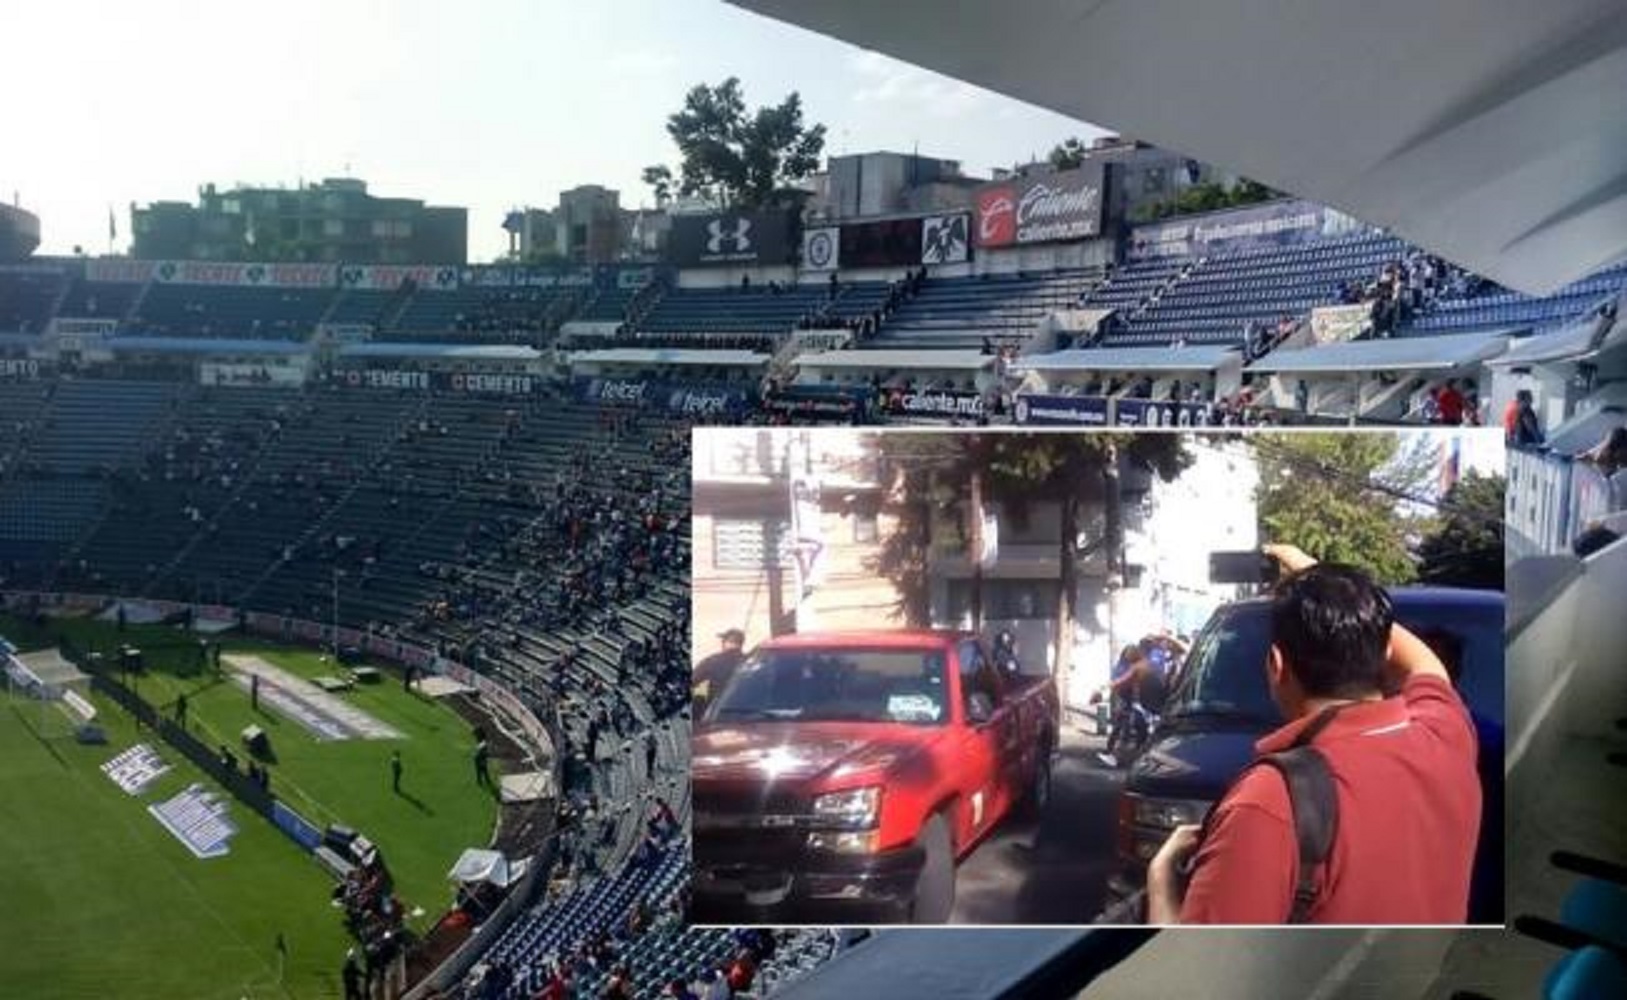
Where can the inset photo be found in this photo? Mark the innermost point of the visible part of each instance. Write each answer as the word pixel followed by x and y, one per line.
pixel 1071 678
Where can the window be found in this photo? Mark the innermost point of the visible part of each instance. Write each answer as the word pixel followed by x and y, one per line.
pixel 818 685
pixel 1005 599
pixel 740 544
pixel 231 206
pixel 333 227
pixel 864 527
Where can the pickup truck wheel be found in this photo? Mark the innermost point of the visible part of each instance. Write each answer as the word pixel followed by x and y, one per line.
pixel 1038 795
pixel 935 889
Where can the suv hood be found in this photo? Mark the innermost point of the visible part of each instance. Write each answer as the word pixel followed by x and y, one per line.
pixel 1194 764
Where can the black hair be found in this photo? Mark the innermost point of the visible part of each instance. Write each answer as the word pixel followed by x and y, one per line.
pixel 1332 624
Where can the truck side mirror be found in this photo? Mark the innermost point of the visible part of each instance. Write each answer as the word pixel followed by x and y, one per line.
pixel 979 708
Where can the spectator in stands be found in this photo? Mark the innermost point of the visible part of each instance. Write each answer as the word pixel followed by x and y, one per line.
pixel 742 971
pixel 1610 455
pixel 717 986
pixel 1449 404
pixel 1604 321
pixel 1522 428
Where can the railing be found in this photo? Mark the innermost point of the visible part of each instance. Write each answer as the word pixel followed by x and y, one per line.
pixel 1551 499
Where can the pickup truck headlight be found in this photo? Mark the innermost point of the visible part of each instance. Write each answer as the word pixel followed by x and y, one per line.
pixel 1166 814
pixel 858 809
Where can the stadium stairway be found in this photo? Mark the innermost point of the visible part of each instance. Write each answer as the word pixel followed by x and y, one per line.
pixel 964 313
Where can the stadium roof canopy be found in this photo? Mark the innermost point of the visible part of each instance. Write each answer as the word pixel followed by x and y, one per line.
pixel 1573 342
pixel 206 345
pixel 933 360
pixel 669 356
pixel 1406 353
pixel 1147 359
pixel 451 352
pixel 1489 131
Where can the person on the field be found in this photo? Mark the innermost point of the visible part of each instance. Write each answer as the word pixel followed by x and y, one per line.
pixel 483 764
pixel 351 974
pixel 395 771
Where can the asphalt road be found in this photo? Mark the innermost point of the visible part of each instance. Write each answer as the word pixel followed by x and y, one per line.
pixel 1053 870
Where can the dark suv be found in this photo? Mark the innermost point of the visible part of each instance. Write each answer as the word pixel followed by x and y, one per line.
pixel 1220 706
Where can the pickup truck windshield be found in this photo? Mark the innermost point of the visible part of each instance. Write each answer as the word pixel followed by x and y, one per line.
pixel 1225 672
pixel 837 685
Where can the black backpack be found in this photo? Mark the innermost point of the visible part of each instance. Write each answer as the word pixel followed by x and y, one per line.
pixel 1315 805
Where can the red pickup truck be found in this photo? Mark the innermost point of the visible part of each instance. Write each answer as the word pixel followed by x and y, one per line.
pixel 840 774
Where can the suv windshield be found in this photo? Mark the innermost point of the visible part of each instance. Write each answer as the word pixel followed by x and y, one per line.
pixel 825 685
pixel 1225 671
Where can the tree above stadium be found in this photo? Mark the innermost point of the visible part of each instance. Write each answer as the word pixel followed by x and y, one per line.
pixel 736 157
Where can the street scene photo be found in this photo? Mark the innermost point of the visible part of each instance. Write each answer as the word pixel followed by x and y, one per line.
pixel 1071 678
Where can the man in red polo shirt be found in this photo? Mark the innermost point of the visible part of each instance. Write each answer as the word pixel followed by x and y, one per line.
pixel 1403 770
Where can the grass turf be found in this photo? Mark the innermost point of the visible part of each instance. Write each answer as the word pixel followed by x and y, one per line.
pixel 97 893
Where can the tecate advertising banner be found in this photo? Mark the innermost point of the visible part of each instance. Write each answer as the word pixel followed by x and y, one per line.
pixel 389 277
pixel 731 239
pixel 1045 209
pixel 204 272
pixel 946 403
pixel 1090 411
pixel 1278 223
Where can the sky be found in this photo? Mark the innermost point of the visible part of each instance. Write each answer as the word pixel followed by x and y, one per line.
pixel 489 104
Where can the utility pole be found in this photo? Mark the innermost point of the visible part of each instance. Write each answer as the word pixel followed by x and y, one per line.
pixel 976 552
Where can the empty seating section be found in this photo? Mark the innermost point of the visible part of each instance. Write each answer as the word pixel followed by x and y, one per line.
pixel 22 407
pixel 192 474
pixel 435 312
pixel 521 314
pixel 94 427
pixel 27 299
pixel 40 520
pixel 857 299
pixel 757 309
pixel 1505 309
pixel 230 312
pixel 1217 296
pixel 610 305
pixel 362 305
pixel 100 299
pixel 962 312
pixel 1130 286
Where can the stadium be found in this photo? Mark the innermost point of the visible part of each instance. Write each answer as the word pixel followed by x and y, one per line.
pixel 458 495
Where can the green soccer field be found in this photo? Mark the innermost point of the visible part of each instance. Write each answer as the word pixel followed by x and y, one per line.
pixel 97 898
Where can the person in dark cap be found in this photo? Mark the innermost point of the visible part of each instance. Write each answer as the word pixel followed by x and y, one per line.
pixel 712 674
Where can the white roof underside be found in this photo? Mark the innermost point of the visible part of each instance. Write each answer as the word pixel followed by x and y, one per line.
pixel 1493 132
